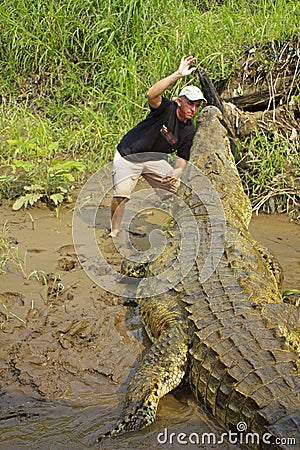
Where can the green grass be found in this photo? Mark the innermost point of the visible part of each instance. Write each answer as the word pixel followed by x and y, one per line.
pixel 76 73
pixel 270 172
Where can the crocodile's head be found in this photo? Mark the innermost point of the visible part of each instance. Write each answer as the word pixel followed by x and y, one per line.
pixel 212 113
pixel 211 154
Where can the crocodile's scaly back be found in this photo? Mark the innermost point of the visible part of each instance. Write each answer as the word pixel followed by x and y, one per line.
pixel 219 319
pixel 239 369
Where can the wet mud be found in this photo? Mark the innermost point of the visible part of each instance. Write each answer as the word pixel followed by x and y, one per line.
pixel 68 348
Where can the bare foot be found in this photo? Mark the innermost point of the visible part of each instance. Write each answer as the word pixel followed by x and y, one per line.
pixel 114 233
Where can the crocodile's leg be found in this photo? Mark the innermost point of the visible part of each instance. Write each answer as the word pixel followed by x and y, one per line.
pixel 162 368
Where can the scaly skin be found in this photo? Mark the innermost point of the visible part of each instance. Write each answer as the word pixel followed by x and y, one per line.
pixel 162 368
pixel 222 328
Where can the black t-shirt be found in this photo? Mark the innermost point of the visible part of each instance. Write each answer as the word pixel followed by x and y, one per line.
pixel 160 132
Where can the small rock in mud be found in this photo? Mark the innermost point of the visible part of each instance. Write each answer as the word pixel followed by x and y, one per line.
pixel 66 264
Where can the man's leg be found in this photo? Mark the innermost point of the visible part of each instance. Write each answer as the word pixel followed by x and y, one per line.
pixel 125 176
pixel 117 211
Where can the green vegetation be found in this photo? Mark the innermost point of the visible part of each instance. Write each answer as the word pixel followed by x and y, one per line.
pixel 74 73
pixel 271 173
pixel 10 254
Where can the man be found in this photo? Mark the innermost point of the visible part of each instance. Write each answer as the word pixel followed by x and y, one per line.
pixel 142 151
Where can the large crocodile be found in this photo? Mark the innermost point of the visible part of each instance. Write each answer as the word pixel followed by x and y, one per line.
pixel 220 329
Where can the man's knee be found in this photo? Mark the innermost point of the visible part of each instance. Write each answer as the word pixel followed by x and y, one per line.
pixel 118 200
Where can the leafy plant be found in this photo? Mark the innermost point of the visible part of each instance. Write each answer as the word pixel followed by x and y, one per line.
pixel 46 181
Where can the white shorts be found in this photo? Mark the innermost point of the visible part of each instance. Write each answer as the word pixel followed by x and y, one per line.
pixel 126 175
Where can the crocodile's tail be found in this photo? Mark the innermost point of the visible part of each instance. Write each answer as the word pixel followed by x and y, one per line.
pixel 162 368
pixel 135 419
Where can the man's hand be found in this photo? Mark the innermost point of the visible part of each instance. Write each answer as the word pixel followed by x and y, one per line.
pixel 171 178
pixel 155 92
pixel 185 63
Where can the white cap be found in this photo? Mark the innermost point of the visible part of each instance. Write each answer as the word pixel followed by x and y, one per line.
pixel 193 93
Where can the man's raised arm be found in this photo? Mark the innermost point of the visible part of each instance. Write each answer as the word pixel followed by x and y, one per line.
pixel 154 94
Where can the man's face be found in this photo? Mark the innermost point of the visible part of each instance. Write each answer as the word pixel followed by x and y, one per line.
pixel 187 109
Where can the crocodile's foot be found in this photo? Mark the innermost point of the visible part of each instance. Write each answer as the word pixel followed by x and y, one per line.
pixel 138 418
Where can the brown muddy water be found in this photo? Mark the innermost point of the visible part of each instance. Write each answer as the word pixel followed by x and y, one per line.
pixel 68 347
